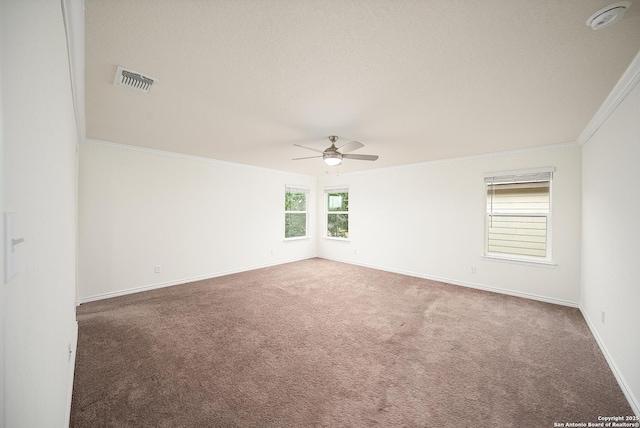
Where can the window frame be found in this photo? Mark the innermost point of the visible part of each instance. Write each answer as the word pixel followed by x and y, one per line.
pixel 306 192
pixel 520 176
pixel 327 213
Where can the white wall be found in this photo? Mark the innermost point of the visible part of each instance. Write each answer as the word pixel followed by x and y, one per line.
pixel 39 139
pixel 428 220
pixel 196 218
pixel 2 366
pixel 611 240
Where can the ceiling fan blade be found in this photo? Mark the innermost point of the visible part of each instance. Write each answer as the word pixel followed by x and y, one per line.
pixel 360 157
pixel 309 148
pixel 349 147
pixel 309 157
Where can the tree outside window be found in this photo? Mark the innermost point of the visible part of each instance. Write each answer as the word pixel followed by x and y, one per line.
pixel 338 214
pixel 295 213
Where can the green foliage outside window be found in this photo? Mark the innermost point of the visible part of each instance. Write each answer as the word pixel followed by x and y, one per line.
pixel 295 217
pixel 338 215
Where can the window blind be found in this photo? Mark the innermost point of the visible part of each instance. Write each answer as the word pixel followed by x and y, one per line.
pixel 520 178
pixel 296 189
pixel 336 190
pixel 518 208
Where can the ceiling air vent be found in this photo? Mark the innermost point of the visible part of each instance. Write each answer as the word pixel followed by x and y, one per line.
pixel 134 80
pixel 608 15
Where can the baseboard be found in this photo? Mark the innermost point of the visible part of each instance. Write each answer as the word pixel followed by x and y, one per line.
pixel 626 390
pixel 633 402
pixel 464 284
pixel 383 268
pixel 181 281
pixel 72 370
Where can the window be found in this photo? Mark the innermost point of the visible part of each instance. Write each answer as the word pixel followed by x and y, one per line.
pixel 295 212
pixel 518 215
pixel 337 203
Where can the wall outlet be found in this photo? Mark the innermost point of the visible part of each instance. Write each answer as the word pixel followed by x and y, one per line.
pixel 158 268
pixel 70 352
pixel 355 252
pixel 273 253
pixel 602 316
pixel 12 247
pixel 472 269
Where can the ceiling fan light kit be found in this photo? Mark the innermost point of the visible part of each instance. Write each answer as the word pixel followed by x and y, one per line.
pixel 333 157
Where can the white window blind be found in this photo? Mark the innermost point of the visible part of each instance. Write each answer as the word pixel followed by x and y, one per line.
pixel 336 190
pixel 518 215
pixel 295 189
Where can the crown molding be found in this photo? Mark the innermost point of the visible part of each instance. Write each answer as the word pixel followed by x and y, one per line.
pixel 73 15
pixel 164 153
pixel 625 85
pixel 544 148
pixel 132 148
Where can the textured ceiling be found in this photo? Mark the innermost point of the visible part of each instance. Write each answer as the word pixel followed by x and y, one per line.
pixel 415 81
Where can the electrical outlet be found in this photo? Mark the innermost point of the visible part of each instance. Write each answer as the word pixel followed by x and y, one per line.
pixel 158 268
pixel 355 252
pixel 70 352
pixel 602 316
pixel 472 269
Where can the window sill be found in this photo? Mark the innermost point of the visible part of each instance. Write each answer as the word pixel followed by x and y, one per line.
pixel 297 238
pixel 536 263
pixel 331 238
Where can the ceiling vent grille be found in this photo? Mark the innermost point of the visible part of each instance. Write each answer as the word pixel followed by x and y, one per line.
pixel 608 15
pixel 134 80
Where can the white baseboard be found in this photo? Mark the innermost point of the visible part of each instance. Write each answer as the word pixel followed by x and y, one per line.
pixel 72 370
pixel 633 401
pixel 181 281
pixel 626 390
pixel 465 284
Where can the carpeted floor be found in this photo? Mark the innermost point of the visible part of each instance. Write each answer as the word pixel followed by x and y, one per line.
pixel 321 343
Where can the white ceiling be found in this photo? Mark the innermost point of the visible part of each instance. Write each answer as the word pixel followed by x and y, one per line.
pixel 415 81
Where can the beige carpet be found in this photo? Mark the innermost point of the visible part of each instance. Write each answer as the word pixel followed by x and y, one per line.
pixel 320 343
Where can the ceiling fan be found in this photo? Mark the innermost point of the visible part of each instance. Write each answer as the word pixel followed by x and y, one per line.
pixel 333 157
